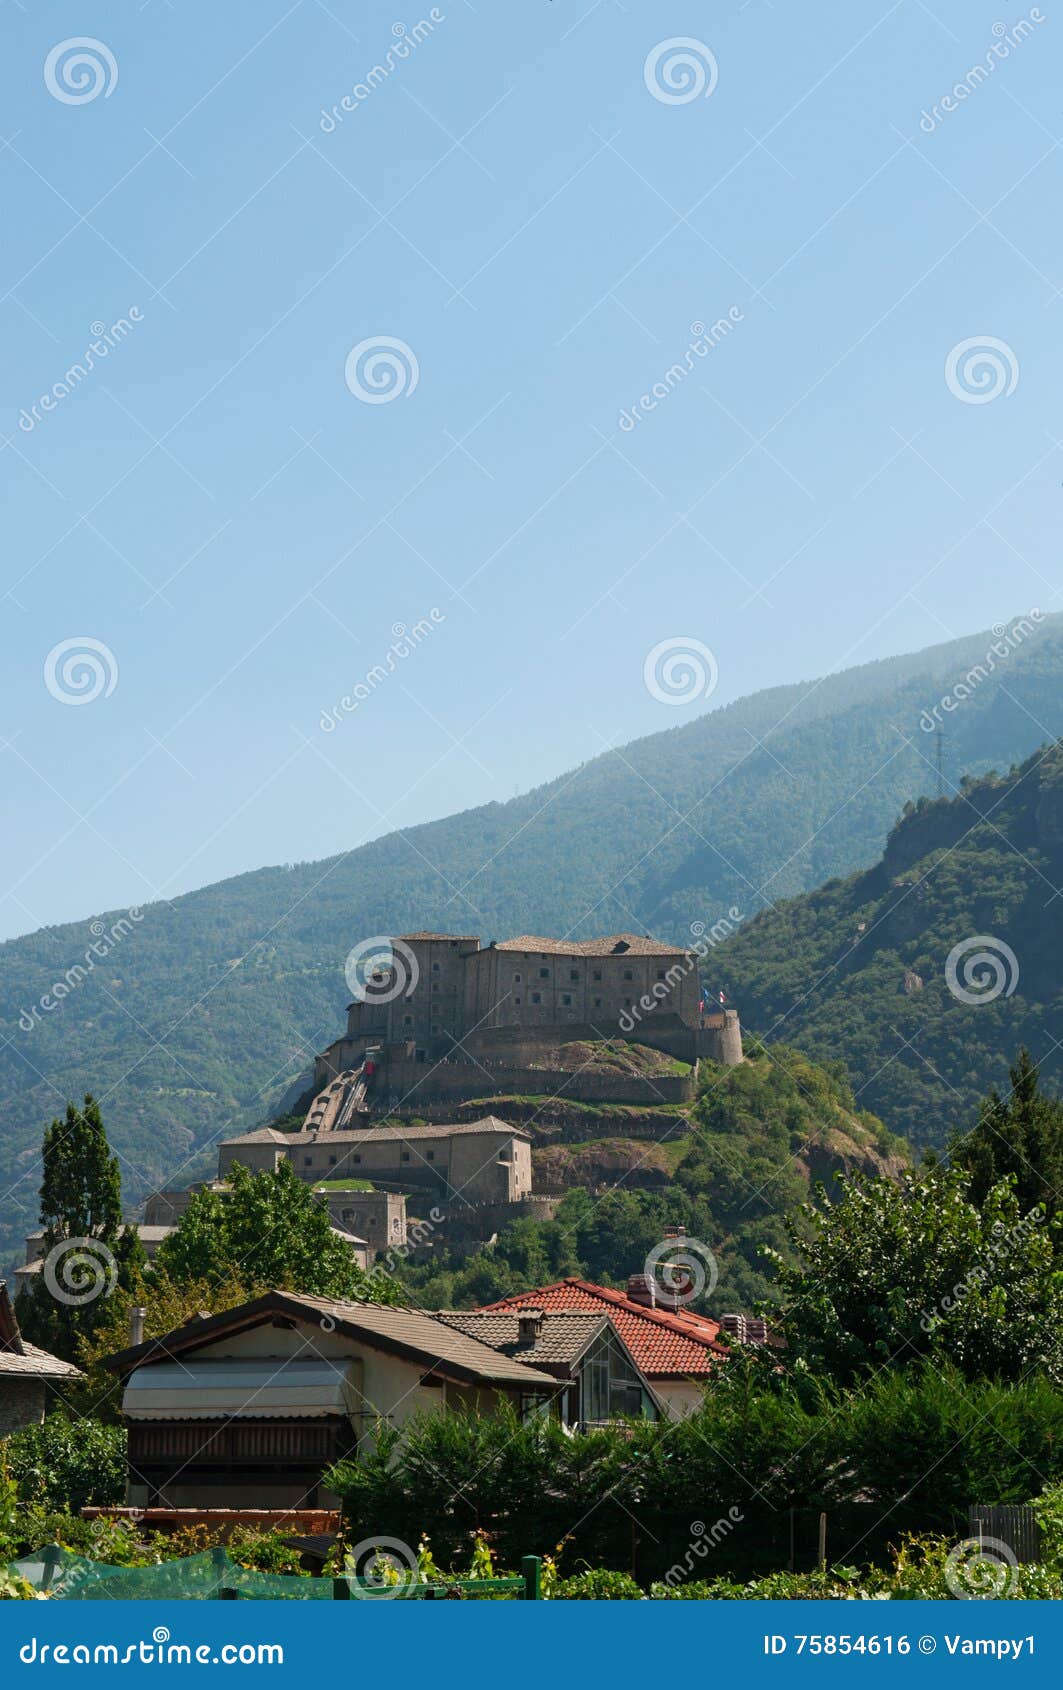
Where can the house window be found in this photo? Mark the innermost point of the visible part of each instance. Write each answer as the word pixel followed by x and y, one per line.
pixel 537 997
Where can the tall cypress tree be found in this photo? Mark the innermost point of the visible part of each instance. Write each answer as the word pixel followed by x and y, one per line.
pixel 81 1199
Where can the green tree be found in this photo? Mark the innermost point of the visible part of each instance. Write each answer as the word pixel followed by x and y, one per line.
pixel 81 1213
pixel 896 1271
pixel 269 1230
pixel 1018 1137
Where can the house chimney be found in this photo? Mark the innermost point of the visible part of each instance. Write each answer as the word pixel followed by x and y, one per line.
pixel 642 1289
pixel 735 1326
pixel 136 1324
pixel 529 1326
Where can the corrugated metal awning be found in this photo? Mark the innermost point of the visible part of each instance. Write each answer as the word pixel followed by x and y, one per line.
pixel 203 1390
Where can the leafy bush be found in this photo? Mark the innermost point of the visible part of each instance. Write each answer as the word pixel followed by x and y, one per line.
pixel 68 1464
pixel 599 1584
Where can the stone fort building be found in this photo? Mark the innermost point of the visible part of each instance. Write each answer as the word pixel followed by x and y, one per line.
pixel 516 999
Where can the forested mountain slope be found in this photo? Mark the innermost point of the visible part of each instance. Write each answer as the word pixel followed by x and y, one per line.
pixel 206 1013
pixel 881 971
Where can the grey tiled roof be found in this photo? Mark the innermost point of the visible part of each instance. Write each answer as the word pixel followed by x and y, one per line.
pixel 35 1364
pixel 614 944
pixel 562 1339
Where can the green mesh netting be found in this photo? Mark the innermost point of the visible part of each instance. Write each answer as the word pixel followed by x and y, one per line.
pixel 73 1578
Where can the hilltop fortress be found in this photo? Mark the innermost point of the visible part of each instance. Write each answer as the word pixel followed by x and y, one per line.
pixel 503 1012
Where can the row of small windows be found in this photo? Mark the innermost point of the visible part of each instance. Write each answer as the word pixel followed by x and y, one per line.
pixel 404 1156
pixel 574 975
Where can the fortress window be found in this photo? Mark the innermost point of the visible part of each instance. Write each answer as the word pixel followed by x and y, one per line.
pixel 516 979
pixel 407 1021
pixel 332 1161
pixel 544 974
pixel 597 973
pixel 628 974
pixel 566 997
pixel 516 1000
pixel 435 968
pixel 597 1003
pixel 573 973
pixel 660 974
pixel 405 1156
pixel 429 1155
pixel 537 997
pixel 308 1161
pixel 627 1003
pixel 435 985
pixel 356 1158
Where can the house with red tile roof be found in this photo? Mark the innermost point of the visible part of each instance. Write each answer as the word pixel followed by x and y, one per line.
pixel 675 1350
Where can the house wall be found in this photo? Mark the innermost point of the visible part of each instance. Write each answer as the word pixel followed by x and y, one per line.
pixel 680 1396
pixel 21 1403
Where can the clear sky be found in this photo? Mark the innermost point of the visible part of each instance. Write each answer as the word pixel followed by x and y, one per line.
pixel 524 197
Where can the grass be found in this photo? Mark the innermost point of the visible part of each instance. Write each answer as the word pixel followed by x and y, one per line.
pixel 344 1185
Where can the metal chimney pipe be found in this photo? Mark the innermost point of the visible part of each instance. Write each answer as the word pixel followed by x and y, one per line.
pixel 136 1324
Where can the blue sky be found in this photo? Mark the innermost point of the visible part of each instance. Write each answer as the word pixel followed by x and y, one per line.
pixel 516 205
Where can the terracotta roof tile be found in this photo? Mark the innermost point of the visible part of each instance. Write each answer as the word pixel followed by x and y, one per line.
pixel 662 1344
